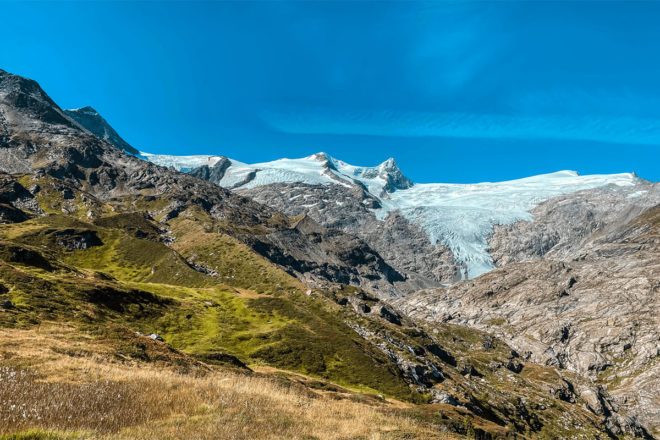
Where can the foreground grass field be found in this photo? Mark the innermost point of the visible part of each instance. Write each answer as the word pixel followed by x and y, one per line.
pixel 98 396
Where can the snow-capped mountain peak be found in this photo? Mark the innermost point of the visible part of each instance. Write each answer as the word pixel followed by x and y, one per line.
pixel 87 110
pixel 459 216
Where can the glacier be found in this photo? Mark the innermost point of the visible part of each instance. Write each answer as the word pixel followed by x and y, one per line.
pixel 181 163
pixel 459 216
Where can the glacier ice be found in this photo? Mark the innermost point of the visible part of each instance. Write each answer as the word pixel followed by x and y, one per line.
pixel 459 216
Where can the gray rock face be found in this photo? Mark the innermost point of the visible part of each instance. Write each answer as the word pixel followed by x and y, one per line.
pixel 345 259
pixel 443 397
pixel 563 224
pixel 156 337
pixel 403 245
pixel 596 314
pixel 214 173
pixel 14 199
pixel 75 240
pixel 91 120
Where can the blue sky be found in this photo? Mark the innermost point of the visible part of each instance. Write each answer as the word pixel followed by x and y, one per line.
pixel 454 91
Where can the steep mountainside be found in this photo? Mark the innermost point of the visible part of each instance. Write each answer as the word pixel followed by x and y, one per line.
pixel 595 312
pixel 36 136
pixel 568 263
pixel 99 249
pixel 563 226
pixel 213 302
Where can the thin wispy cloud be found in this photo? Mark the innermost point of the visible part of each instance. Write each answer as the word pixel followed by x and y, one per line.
pixel 568 100
pixel 599 128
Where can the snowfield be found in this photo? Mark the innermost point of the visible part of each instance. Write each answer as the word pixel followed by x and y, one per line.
pixel 460 216
pixel 181 163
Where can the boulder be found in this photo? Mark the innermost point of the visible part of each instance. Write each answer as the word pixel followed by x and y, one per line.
pixel 156 337
pixel 390 316
pixel 438 396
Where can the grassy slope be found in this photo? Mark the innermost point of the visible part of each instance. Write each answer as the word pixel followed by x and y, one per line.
pixel 147 286
pixel 114 398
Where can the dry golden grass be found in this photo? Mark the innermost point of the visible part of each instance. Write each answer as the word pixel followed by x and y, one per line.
pixel 99 405
pixel 56 379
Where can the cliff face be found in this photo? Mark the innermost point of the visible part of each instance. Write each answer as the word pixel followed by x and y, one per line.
pixel 564 225
pixel 402 244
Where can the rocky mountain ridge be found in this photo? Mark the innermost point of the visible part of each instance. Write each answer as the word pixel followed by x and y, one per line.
pixel 91 120
pixel 449 223
pixel 37 137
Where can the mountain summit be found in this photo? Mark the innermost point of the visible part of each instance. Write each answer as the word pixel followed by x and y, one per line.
pixel 91 120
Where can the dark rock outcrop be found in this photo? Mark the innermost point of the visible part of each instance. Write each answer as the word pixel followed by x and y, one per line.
pixel 214 173
pixel 403 246
pixel 71 239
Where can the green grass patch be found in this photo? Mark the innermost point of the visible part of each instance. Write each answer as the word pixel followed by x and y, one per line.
pixel 37 434
pixel 258 313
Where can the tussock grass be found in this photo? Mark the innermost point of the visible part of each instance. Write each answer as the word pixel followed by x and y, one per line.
pixel 85 394
pixel 99 405
pixel 37 434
